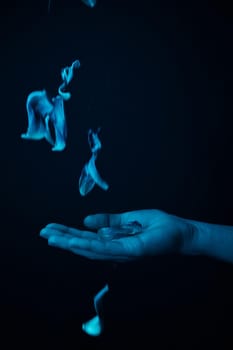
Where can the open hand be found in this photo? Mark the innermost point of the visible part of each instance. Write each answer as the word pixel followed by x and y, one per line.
pixel 161 233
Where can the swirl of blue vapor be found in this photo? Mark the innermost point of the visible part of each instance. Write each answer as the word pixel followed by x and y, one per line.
pixel 44 113
pixel 95 326
pixel 90 176
pixel 89 3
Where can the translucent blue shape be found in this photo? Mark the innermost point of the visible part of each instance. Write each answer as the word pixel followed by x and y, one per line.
pixel 58 121
pixel 67 74
pixel 44 113
pixel 41 114
pixel 86 181
pixel 94 141
pixel 98 300
pixel 95 326
pixel 49 5
pixel 114 232
pixel 90 176
pixel 38 108
pixel 89 3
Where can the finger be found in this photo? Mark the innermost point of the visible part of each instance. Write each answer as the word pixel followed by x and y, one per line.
pixel 60 235
pixel 64 243
pixel 65 229
pixel 125 247
pixel 97 221
pixel 59 242
pixel 57 226
pixel 95 256
pixel 55 229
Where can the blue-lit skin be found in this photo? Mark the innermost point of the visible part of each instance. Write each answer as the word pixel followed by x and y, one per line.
pixel 161 233
pixel 90 176
pixel 116 232
pixel 89 3
pixel 95 326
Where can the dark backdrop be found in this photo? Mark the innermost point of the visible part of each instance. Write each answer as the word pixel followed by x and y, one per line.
pixel 157 77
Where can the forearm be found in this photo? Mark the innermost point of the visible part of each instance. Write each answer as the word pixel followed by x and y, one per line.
pixel 212 240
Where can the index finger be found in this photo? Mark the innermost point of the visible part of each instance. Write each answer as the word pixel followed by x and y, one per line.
pixel 54 229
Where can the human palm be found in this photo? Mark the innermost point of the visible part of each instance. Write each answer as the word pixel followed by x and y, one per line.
pixel 160 233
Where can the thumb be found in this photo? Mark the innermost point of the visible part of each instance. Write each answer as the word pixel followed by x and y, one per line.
pixel 97 221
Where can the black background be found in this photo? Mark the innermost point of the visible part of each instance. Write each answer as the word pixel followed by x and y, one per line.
pixel 157 77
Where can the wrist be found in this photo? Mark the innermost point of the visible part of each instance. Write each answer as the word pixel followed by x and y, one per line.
pixel 193 238
pixel 211 240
